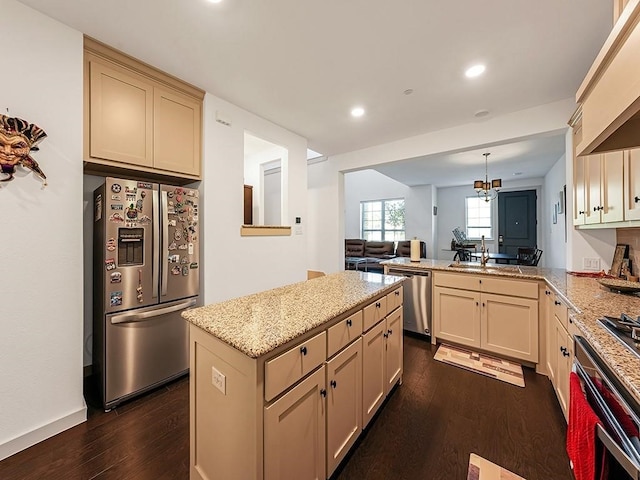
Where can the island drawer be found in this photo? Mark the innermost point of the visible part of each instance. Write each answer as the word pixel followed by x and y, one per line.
pixel 509 286
pixel 343 333
pixel 394 299
pixel 374 312
pixel 289 367
pixel 456 280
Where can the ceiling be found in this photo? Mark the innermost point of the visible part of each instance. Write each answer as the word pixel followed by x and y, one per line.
pixel 303 65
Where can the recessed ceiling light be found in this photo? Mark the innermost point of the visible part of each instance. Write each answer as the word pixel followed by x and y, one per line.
pixel 475 71
pixel 481 113
pixel 517 174
pixel 408 91
pixel 357 112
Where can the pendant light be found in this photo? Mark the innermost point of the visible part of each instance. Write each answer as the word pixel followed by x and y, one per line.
pixel 483 188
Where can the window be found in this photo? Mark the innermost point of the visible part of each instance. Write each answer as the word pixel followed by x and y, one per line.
pixel 382 219
pixel 478 218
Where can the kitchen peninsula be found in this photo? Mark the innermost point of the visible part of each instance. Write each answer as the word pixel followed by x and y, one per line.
pixel 284 381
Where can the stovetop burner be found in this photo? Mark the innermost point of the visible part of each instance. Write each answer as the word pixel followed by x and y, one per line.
pixel 625 329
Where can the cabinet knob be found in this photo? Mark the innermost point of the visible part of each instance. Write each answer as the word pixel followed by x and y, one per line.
pixel 581 212
pixel 477 303
pixel 563 349
pixel 333 383
pixel 349 322
pixel 483 304
pixel 303 350
pixel 570 320
pixel 377 304
pixel 636 199
pixel 547 292
pixel 385 335
pixel 389 331
pixel 397 293
pixel 565 353
pixel 323 392
pixel 557 302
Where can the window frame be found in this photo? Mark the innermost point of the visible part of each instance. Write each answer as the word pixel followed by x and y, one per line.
pixel 383 230
pixel 491 225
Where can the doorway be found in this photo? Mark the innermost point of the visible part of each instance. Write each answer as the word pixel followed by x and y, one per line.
pixel 517 221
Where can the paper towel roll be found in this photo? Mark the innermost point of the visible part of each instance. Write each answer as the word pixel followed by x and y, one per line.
pixel 415 250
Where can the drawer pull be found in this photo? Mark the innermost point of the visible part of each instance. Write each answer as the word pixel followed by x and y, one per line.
pixel 385 335
pixel 377 304
pixel 323 392
pixel 389 331
pixel 636 199
pixel 570 320
pixel 349 322
pixel 565 353
pixel 563 349
pixel 303 350
pixel 398 291
pixel 333 383
pixel 547 292
pixel 557 302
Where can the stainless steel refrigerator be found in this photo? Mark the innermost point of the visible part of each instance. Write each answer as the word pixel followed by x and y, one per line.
pixel 146 271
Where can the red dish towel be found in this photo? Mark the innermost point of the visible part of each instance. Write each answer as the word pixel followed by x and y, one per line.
pixel 581 433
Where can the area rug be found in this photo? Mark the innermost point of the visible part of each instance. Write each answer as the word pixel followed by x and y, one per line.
pixel 481 469
pixel 481 363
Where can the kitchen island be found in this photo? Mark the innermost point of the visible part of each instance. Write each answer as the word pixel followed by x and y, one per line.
pixel 585 298
pixel 283 381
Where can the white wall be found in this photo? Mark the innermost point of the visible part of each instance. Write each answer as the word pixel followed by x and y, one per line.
pixel 325 177
pixel 252 263
pixel 41 313
pixel 555 252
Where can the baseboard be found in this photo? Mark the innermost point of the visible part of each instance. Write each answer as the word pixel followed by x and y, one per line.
pixel 42 433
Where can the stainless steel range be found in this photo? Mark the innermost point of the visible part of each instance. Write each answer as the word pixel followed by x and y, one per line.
pixel 625 329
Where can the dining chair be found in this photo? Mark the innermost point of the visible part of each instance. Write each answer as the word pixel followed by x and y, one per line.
pixel 462 255
pixel 527 256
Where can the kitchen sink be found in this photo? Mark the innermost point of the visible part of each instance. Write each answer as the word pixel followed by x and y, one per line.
pixel 493 268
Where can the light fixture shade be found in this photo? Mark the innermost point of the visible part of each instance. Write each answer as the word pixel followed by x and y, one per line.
pixel 497 183
pixel 478 185
pixel 486 186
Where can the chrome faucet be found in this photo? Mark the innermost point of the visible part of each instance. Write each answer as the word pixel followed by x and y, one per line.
pixel 484 254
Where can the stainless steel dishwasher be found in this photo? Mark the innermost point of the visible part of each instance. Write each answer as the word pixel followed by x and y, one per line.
pixel 417 300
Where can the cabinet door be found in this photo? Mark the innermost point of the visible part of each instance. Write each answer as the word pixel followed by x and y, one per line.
pixel 121 116
pixel 593 184
pixel 632 185
pixel 565 354
pixel 457 316
pixel 294 432
pixel 373 371
pixel 176 139
pixel 612 187
pixel 509 326
pixel 579 192
pixel 393 349
pixel 344 403
pixel 552 357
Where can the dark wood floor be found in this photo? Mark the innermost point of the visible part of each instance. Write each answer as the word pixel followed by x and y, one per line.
pixel 426 430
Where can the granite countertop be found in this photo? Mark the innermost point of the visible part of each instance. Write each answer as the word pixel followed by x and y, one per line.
pixel 585 296
pixel 257 324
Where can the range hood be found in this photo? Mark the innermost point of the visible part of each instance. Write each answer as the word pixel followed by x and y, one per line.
pixel 609 97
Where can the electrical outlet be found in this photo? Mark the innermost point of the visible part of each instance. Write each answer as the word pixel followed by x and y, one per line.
pixel 592 264
pixel 219 380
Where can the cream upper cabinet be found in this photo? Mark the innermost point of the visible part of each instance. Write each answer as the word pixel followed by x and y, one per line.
pixel 121 116
pixel 579 193
pixel 612 187
pixel 176 132
pixel 593 203
pixel 344 403
pixel 138 119
pixel 632 185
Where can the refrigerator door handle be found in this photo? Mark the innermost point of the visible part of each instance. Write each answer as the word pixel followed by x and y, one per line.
pixel 156 247
pixel 165 244
pixel 140 317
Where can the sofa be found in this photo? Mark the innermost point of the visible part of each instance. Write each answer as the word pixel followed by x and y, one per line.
pixel 367 255
pixel 404 249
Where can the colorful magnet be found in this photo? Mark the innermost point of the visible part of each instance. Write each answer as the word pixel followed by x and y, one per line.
pixel 139 205
pixel 170 194
pixel 130 190
pixel 115 197
pixel 182 247
pixel 179 198
pixel 173 246
pixel 193 265
pixel 175 270
pixel 131 213
pixel 190 249
pixel 111 244
pixel 117 206
pixel 144 219
pixel 110 264
pixel 185 270
pixel 116 217
pixel 172 223
pixel 177 235
pixel 116 188
pixel 174 258
pixel 139 294
pixel 116 299
pixel 184 260
pixel 115 277
pixel 145 185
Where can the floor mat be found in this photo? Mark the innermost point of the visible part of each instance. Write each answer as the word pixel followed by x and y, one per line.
pixel 481 469
pixel 481 363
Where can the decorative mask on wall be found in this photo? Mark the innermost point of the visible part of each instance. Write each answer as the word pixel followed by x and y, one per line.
pixel 17 139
